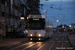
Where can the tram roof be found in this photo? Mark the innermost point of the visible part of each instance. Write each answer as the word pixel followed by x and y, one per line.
pixel 36 16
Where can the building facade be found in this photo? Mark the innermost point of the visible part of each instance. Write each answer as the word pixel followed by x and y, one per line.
pixel 33 6
pixel 63 28
pixel 10 10
pixel 13 10
pixel 23 14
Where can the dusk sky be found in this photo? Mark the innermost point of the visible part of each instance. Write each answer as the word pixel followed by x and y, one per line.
pixel 62 10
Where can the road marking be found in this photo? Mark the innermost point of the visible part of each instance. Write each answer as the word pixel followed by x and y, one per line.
pixel 41 46
pixel 62 43
pixel 58 41
pixel 20 46
pixel 51 41
pixel 29 46
pixel 66 41
pixel 52 44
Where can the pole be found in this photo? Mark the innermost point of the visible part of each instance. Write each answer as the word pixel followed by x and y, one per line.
pixel 57 23
pixel 46 13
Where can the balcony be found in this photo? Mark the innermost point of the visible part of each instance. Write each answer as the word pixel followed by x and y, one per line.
pixel 12 10
pixel 8 0
pixel 7 20
pixel 17 3
pixel 19 14
pixel 16 23
pixel 11 21
pixel 2 7
pixel 16 12
pixel 7 9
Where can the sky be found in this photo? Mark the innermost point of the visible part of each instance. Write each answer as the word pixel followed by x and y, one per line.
pixel 62 10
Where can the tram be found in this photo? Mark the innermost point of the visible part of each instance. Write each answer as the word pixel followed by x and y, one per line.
pixel 39 28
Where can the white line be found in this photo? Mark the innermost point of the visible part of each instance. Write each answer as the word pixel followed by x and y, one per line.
pixel 29 46
pixel 19 46
pixel 52 45
pixel 41 46
pixel 62 43
pixel 51 41
pixel 58 41
pixel 66 41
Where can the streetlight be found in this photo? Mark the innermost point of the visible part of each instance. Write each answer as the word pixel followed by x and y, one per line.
pixel 22 20
pixel 57 22
pixel 46 12
pixel 70 27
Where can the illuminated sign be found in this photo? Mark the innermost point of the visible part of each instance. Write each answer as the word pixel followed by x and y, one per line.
pixel 35 19
pixel 27 17
pixel 21 17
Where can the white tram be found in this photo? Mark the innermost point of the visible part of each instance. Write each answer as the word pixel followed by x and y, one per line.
pixel 39 27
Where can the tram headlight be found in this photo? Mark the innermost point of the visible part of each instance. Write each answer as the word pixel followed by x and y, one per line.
pixel 30 38
pixel 39 35
pixel 39 39
pixel 30 34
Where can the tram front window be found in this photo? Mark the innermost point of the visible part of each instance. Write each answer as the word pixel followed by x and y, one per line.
pixel 36 25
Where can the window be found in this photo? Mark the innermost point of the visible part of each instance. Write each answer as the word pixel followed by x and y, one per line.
pixel 11 5
pixel 3 14
pixel 3 1
pixel 6 4
pixel 11 1
pixel 24 10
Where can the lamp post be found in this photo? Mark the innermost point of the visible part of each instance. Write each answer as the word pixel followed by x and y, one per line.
pixel 57 22
pixel 22 19
pixel 46 12
pixel 70 27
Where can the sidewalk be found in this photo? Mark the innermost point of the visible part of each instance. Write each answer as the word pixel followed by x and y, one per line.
pixel 12 41
pixel 72 39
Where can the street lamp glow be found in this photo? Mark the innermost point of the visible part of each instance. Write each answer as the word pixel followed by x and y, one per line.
pixel 57 20
pixel 45 10
pixel 69 25
pixel 22 18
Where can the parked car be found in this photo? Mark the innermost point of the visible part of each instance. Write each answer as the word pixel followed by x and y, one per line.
pixel 21 34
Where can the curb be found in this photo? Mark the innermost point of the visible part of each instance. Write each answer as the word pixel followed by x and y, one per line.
pixel 71 43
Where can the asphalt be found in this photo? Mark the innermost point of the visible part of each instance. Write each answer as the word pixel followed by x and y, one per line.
pixel 72 39
pixel 7 42
pixel 57 42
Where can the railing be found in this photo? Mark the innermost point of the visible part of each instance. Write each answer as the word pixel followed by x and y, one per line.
pixel 19 14
pixel 7 9
pixel 16 23
pixel 17 3
pixel 7 20
pixel 2 7
pixel 11 21
pixel 12 10
pixel 16 12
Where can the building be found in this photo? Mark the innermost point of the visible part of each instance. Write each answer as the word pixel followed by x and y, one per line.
pixel 33 6
pixel 23 13
pixel 13 10
pixel 44 0
pixel 10 10
pixel 63 28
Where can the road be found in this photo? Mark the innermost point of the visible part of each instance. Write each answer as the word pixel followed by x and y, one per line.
pixel 58 42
